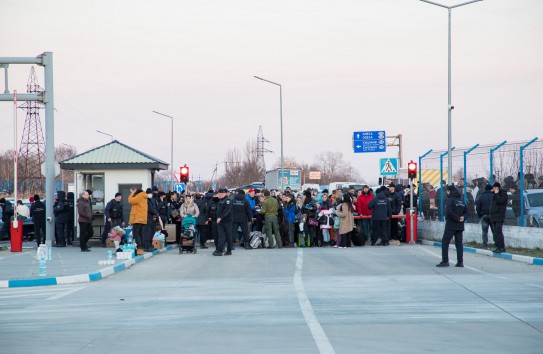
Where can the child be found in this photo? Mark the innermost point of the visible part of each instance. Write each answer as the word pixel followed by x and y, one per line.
pixel 116 234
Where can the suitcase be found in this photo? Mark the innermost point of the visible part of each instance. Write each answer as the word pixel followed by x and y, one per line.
pixel 170 229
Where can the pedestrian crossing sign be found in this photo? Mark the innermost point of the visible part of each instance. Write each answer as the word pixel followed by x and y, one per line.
pixel 388 167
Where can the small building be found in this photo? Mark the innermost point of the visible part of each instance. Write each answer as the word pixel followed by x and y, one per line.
pixel 108 169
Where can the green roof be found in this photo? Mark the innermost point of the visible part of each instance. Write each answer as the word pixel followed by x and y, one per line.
pixel 114 155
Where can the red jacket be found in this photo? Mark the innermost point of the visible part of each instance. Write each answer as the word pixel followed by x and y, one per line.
pixel 362 204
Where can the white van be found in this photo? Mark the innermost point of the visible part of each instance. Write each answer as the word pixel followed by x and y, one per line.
pixel 341 185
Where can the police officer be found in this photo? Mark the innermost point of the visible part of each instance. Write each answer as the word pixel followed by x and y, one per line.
pixel 242 215
pixel 224 224
pixel 381 212
pixel 37 213
pixel 114 215
pixel 455 213
pixel 60 210
pixel 396 204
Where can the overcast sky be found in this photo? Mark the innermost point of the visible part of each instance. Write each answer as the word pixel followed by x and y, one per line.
pixel 345 66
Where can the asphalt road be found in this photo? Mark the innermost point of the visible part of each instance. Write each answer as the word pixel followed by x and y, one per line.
pixel 359 300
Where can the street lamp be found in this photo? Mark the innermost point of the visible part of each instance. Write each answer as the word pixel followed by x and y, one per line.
pixel 281 120
pixel 450 107
pixel 171 152
pixel 111 136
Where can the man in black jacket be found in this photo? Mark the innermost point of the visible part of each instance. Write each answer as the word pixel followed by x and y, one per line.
pixel 498 207
pixel 380 214
pixel 396 204
pixel 242 215
pixel 483 211
pixel 37 213
pixel 7 213
pixel 224 224
pixel 114 215
pixel 455 212
pixel 152 219
pixel 201 220
pixel 60 210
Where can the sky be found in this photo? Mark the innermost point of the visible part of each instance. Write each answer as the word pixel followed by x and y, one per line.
pixel 344 66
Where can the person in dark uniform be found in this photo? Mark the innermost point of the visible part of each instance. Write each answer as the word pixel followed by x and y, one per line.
pixel 37 213
pixel 60 210
pixel 150 228
pixel 381 212
pixel 242 215
pixel 211 210
pixel 455 213
pixel 70 221
pixel 114 215
pixel 396 205
pixel 498 207
pixel 224 224
pixel 201 220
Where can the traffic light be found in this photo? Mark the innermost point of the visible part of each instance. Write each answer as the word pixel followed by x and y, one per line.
pixel 184 174
pixel 412 170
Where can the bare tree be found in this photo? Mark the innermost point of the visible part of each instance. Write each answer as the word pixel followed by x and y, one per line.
pixel 334 168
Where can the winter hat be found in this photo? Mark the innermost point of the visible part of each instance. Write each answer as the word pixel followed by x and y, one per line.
pixel 117 194
pixel 240 191
pixel 488 187
pixel 148 190
pixel 451 187
pixel 155 189
pixel 36 198
pixel 497 184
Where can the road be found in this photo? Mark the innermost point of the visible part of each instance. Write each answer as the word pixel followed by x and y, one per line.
pixel 359 300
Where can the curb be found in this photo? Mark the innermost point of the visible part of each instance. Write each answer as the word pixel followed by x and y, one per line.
pixel 508 256
pixel 81 278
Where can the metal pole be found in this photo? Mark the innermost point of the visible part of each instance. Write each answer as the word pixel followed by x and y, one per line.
pixel 492 160
pixel 6 89
pixel 15 158
pixel 521 187
pixel 420 179
pixel 281 117
pixel 412 241
pixel 281 122
pixel 466 173
pixel 47 59
pixel 441 184
pixel 172 177
pixel 450 106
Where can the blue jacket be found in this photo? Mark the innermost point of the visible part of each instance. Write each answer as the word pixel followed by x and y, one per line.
pixel 290 212
pixel 483 204
pixel 251 201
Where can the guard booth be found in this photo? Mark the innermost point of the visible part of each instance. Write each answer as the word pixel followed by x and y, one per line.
pixel 108 169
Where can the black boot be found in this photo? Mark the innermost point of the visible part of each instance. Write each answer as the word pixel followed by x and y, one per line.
pixel 442 264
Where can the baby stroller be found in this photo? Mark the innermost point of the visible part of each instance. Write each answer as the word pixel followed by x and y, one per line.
pixel 188 235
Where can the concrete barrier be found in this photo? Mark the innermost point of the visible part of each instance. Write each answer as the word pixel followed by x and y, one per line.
pixel 519 237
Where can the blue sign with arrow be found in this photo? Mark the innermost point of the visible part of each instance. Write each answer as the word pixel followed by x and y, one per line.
pixel 370 141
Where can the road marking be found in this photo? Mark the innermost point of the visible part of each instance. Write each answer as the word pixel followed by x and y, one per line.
pixel 439 257
pixel 66 293
pixel 320 338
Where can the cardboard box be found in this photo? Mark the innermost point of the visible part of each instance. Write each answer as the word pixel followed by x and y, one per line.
pixel 110 243
pixel 158 244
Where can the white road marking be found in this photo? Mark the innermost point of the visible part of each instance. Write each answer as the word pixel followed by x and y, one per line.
pixel 320 338
pixel 66 293
pixel 439 257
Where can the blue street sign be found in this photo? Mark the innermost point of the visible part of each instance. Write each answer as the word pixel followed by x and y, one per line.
pixel 179 187
pixel 371 141
pixel 388 167
pixel 213 186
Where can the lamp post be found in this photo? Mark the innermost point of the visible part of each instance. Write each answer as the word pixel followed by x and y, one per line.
pixel 281 122
pixel 111 136
pixel 172 177
pixel 450 107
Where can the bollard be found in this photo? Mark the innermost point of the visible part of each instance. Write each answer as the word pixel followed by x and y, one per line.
pixel 16 229
pixel 408 228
